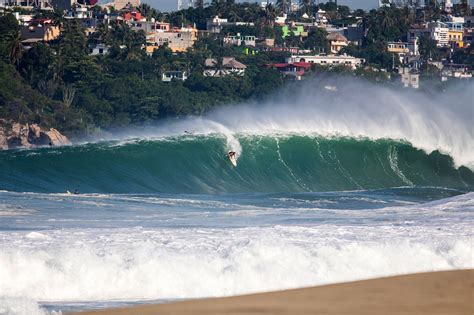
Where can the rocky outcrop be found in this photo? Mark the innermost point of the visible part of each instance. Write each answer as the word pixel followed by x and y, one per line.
pixel 14 135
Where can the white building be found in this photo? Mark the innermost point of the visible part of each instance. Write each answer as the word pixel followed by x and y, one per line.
pixel 169 76
pixel 99 49
pixel 216 24
pixel 185 4
pixel 239 40
pixel 437 31
pixel 331 60
pixel 409 78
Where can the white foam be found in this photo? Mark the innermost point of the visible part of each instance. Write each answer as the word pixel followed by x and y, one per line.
pixel 443 122
pixel 21 306
pixel 139 264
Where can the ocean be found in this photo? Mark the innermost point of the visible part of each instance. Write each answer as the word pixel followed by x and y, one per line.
pixel 328 188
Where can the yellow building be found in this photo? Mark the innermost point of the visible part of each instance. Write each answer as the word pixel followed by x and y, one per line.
pixel 456 37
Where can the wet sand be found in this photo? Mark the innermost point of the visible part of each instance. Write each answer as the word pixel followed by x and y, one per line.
pixel 446 292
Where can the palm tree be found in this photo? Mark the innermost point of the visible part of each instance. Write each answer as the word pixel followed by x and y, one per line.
pixel 270 14
pixel 283 5
pixel 307 6
pixel 199 4
pixel 15 47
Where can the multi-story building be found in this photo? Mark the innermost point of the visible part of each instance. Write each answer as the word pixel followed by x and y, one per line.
pixel 342 60
pixel 239 40
pixel 409 77
pixel 337 41
pixel 38 4
pixel 455 34
pixel 437 31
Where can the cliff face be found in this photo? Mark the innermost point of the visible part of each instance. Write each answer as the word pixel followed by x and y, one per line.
pixel 14 135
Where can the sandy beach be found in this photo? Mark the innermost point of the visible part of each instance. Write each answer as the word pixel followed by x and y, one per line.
pixel 447 292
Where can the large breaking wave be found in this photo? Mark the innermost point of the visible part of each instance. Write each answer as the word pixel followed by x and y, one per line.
pixel 198 164
pixel 306 139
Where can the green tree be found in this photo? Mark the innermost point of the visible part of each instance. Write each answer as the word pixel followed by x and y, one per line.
pixel 428 48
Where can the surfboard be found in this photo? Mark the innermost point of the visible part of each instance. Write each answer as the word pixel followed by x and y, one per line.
pixel 233 160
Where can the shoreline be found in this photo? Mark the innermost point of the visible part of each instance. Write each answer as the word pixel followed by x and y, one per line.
pixel 442 292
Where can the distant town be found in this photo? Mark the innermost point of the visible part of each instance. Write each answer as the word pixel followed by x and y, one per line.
pixel 82 65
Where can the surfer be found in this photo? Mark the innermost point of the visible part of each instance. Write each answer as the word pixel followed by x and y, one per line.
pixel 232 157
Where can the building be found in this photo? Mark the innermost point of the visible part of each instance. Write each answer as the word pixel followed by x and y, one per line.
pixel 98 49
pixel 337 42
pixel 295 30
pixel 178 40
pixel 239 40
pixel 185 4
pixel 216 24
pixel 399 48
pixel 409 77
pixel 229 66
pixel 39 30
pixel 332 60
pixel 455 34
pixel 30 4
pixel 169 76
pixel 355 33
pixel 295 70
pixel 121 4
pixel 281 20
pixel 455 71
pixel 438 31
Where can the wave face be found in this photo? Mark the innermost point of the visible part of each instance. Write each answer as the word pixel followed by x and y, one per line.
pixel 198 164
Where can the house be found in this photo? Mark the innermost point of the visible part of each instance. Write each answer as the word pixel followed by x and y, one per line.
pixel 229 66
pixel 98 49
pixel 295 69
pixel 216 24
pixel 169 76
pixel 331 60
pixel 355 33
pixel 239 40
pixel 121 4
pixel 281 20
pixel 409 77
pixel 337 42
pixel 178 40
pixel 456 71
pixel 399 48
pixel 39 30
pixel 322 18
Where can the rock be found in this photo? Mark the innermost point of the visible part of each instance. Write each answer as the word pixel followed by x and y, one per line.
pixel 19 136
pixel 14 135
pixel 3 139
pixel 56 138
pixel 35 130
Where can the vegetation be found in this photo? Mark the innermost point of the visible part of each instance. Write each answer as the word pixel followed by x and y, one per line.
pixel 62 85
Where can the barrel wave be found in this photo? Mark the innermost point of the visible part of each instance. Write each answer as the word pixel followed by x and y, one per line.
pixel 198 164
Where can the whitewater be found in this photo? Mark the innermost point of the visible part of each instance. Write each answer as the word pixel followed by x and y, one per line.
pixel 330 187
